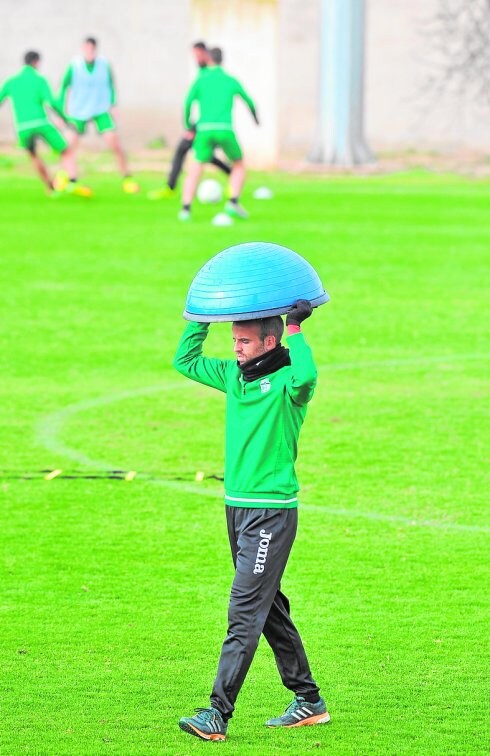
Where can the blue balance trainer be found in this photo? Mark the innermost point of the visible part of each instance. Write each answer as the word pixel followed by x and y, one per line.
pixel 253 280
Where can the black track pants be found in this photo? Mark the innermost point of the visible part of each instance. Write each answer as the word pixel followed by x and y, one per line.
pixel 182 149
pixel 260 540
pixel 178 161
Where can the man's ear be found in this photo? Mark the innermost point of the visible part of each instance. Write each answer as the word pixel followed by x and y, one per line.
pixel 270 342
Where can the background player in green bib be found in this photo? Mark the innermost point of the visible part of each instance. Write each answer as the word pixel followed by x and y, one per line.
pixel 30 93
pixel 214 91
pixel 91 97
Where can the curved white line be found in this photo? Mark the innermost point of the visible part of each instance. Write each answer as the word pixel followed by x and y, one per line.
pixel 49 430
pixel 406 361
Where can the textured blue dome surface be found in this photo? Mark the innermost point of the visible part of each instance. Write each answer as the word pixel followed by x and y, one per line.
pixel 252 280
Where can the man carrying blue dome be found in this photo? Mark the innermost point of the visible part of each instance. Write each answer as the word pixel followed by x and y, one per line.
pixel 267 391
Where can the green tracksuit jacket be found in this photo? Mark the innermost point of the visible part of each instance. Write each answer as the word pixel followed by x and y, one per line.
pixel 215 91
pixel 263 419
pixel 30 93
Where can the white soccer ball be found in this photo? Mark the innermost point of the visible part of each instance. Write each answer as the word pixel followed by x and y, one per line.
pixel 222 219
pixel 263 193
pixel 209 192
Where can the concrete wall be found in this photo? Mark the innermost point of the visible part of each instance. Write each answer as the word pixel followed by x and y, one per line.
pixel 272 45
pixel 247 32
pixel 299 75
pixel 147 43
pixel 398 114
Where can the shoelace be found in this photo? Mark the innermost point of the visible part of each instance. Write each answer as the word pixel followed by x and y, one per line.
pixel 205 714
pixel 295 704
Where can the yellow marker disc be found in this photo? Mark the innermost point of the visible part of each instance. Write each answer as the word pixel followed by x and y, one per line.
pixel 53 474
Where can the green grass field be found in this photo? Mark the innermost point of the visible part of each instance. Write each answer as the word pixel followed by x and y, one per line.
pixel 113 593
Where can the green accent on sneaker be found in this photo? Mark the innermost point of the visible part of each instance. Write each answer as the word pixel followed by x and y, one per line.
pixel 160 194
pixel 207 724
pixel 236 210
pixel 301 712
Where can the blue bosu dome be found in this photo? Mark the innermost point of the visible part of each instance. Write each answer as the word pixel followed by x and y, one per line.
pixel 253 280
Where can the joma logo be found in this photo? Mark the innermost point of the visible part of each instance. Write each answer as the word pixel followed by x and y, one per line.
pixel 262 552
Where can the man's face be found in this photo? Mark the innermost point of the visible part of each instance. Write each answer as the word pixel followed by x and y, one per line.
pixel 89 52
pixel 201 56
pixel 247 343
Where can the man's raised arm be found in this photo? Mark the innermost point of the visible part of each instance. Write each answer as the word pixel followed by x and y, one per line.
pixel 304 371
pixel 190 362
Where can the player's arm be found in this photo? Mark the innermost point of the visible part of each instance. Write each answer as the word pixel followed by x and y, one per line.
pixel 240 91
pixel 4 91
pixel 304 373
pixel 190 362
pixel 190 98
pixel 49 99
pixel 112 85
pixel 65 85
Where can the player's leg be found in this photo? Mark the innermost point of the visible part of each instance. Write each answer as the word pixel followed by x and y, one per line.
pixel 106 127
pixel 76 129
pixel 285 641
pixel 308 707
pixel 233 151
pixel 203 153
pixel 224 167
pixel 69 163
pixel 265 538
pixel 27 140
pixel 190 187
pixel 237 179
pixel 221 165
pixel 180 153
pixel 65 181
pixel 209 724
pixel 112 141
pixel 41 169
pixel 183 148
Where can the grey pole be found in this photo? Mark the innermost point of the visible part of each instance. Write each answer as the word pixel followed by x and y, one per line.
pixel 341 113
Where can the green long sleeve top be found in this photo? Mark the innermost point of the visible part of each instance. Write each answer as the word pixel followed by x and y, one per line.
pixel 214 90
pixel 29 93
pixel 263 419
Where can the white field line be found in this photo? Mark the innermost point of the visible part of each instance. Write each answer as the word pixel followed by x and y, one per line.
pixel 405 362
pixel 50 427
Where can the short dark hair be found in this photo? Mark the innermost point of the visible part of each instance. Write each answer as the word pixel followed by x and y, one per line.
pixel 31 57
pixel 216 55
pixel 273 326
pixel 91 41
pixel 199 45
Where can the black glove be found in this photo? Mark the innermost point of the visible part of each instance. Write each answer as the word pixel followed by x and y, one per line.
pixel 299 312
